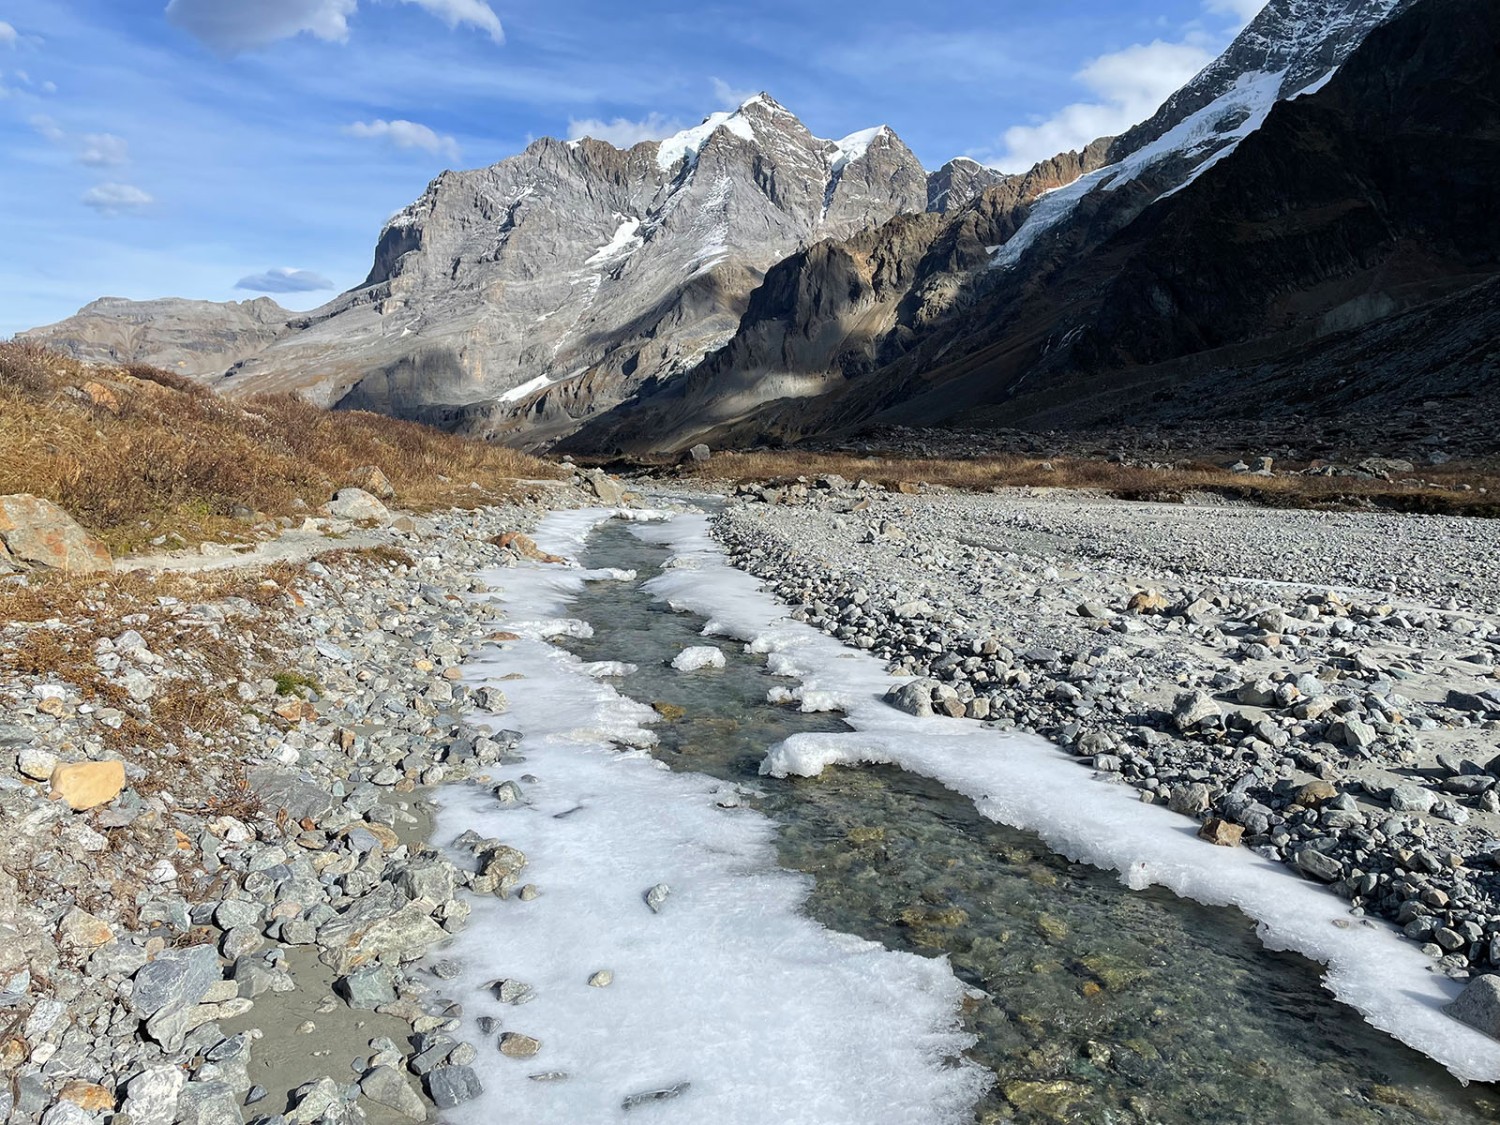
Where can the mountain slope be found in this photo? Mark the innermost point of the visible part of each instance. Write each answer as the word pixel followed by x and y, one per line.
pixel 199 339
pixel 1238 218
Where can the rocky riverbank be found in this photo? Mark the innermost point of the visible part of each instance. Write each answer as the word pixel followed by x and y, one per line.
pixel 215 883
pixel 1319 687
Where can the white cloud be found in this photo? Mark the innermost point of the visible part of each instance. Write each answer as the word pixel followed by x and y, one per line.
pixel 232 26
pixel 622 132
pixel 103 150
pixel 284 280
pixel 1242 10
pixel 116 199
pixel 475 13
pixel 48 128
pixel 405 134
pixel 1130 85
pixel 8 35
pixel 728 97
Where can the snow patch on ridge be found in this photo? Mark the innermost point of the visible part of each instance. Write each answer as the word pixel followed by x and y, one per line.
pixel 1016 781
pixel 854 147
pixel 626 240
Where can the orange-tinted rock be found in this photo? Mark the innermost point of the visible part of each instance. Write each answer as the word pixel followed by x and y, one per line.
pixel 102 397
pixel 525 546
pixel 1221 832
pixel 89 1096
pixel 36 532
pixel 87 785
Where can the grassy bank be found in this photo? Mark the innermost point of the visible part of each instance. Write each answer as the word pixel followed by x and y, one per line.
pixel 137 453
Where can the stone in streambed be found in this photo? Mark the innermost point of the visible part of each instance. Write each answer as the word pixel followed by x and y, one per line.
pixel 385 1085
pixel 514 1045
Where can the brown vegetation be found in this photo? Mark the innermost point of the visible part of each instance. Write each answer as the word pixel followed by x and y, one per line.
pixel 136 453
pixel 1445 490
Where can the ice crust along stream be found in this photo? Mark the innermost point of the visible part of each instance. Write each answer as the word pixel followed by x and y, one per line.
pixel 1028 784
pixel 766 1014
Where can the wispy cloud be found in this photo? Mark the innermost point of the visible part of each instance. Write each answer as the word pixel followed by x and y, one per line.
pixel 47 128
pixel 406 135
pixel 233 26
pixel 1129 85
pixel 730 97
pixel 622 132
pixel 1242 10
pixel 103 150
pixel 8 35
pixel 475 13
pixel 116 199
pixel 284 280
pixel 95 150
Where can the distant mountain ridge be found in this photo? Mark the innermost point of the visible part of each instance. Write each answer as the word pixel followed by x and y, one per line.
pixel 746 281
pixel 557 281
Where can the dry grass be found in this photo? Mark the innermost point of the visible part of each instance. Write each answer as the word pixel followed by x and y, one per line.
pixel 137 453
pixel 1438 490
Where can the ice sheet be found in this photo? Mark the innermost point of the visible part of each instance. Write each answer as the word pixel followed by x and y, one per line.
pixel 1017 781
pixel 769 1016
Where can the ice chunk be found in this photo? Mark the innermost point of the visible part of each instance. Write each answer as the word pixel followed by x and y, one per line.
pixel 699 657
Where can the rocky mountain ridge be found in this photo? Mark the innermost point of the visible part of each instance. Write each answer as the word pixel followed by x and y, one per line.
pixel 1253 223
pixel 555 282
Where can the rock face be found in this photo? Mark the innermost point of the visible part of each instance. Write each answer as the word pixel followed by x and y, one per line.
pixel 1241 227
pixel 200 339
pixel 519 299
pixel 557 280
pixel 37 533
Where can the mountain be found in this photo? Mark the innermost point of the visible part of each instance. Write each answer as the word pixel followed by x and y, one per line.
pixel 551 285
pixel 200 339
pixel 1265 203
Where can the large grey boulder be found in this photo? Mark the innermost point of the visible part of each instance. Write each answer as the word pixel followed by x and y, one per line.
pixel 1479 1005
pixel 358 505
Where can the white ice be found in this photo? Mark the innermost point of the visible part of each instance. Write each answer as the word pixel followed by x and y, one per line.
pixel 1020 781
pixel 697 658
pixel 768 1015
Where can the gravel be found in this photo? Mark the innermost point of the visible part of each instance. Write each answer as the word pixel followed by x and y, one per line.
pixel 1216 658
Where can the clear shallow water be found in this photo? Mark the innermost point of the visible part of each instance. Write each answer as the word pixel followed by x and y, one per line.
pixel 1103 1005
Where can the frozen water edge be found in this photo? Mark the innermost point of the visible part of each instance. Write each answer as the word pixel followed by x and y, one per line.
pixel 768 1015
pixel 1028 784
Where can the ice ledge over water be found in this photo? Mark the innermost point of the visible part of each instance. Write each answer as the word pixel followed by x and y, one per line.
pixel 1018 781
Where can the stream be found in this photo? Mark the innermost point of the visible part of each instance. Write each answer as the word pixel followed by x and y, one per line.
pixel 1099 1004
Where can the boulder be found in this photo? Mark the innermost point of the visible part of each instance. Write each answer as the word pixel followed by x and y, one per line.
pixel 700 453
pixel 152 1096
pixel 37 533
pixel 373 481
pixel 605 487
pixel 358 505
pixel 1479 1005
pixel 1221 832
pixel 386 1086
pixel 1195 709
pixel 384 925
pixel 87 785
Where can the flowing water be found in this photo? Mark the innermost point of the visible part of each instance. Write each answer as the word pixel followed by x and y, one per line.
pixel 1100 1004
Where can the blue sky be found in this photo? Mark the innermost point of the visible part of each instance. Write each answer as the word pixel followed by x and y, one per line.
pixel 224 148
